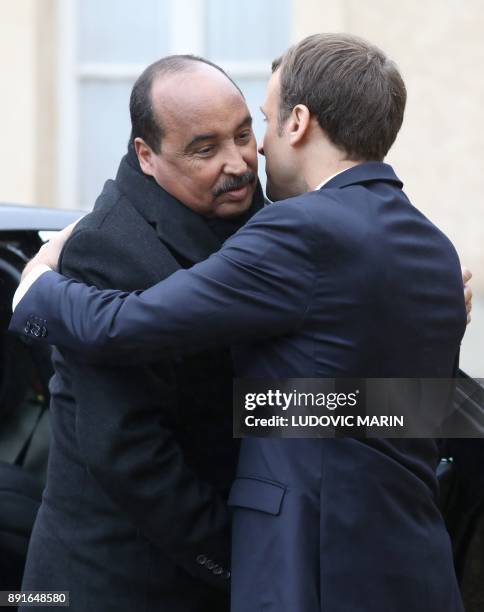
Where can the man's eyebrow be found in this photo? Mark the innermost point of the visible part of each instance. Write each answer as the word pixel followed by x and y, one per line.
pixel 247 121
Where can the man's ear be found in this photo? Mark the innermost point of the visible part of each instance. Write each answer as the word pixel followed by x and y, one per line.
pixel 145 156
pixel 298 124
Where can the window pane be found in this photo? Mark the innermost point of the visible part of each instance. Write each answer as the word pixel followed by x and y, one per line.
pixel 250 30
pixel 104 133
pixel 123 31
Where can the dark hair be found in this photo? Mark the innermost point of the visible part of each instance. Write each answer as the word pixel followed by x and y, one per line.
pixel 355 92
pixel 144 123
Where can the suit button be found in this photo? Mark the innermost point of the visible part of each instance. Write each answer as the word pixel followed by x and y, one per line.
pixel 211 565
pixel 43 331
pixel 202 559
pixel 227 575
pixel 27 327
pixel 217 570
pixel 36 330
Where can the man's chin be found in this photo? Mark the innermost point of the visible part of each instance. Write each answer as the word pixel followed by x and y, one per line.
pixel 229 207
pixel 232 209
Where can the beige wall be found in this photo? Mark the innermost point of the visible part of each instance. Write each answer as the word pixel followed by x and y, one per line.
pixel 17 156
pixel 46 111
pixel 439 155
pixel 27 102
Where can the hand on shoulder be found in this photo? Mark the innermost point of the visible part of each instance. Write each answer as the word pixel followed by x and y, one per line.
pixel 49 253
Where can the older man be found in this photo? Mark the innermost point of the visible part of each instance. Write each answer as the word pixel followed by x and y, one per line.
pixel 343 278
pixel 134 513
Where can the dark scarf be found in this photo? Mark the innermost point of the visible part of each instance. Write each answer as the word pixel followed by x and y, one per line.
pixel 189 236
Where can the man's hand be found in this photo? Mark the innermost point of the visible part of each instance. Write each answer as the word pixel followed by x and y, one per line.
pixel 466 277
pixel 49 252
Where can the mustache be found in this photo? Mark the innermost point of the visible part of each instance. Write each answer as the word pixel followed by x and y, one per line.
pixel 235 182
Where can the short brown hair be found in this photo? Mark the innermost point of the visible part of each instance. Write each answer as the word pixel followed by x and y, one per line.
pixel 350 86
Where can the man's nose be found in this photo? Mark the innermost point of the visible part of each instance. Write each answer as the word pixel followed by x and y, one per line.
pixel 235 162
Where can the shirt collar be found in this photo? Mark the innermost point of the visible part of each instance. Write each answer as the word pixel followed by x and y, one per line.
pixel 367 172
pixel 326 180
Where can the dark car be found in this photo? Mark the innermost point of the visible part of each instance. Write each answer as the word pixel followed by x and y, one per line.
pixel 24 375
pixel 24 429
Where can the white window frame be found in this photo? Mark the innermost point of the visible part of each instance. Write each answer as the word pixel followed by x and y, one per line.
pixel 187 36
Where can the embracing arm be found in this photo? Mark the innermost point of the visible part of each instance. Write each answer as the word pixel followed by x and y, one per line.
pixel 259 284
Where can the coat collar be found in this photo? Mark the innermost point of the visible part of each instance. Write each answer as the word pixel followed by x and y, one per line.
pixel 187 234
pixel 364 173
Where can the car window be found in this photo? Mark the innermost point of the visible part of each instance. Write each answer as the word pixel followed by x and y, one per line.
pixel 24 374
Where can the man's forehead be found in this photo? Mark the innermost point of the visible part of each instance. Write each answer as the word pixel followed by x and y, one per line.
pixel 274 84
pixel 200 88
pixel 271 97
pixel 189 102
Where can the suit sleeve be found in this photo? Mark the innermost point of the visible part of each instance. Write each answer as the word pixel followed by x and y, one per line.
pixel 258 285
pixel 124 430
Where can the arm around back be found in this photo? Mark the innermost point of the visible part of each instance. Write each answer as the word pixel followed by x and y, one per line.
pixel 258 285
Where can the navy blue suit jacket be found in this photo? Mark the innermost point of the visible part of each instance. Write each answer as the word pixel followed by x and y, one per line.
pixel 348 281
